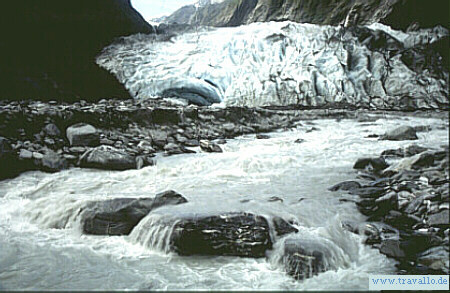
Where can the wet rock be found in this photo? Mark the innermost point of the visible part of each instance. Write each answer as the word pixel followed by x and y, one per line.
pixel 282 227
pixel 275 198
pixel 119 216
pixel 82 134
pixel 372 136
pixel 400 133
pixel 299 140
pixel 376 232
pixel 346 185
pixel 210 147
pixel 372 164
pixel 107 158
pixel 262 136
pixel 174 149
pixel 144 161
pixel 232 234
pixel 368 192
pixel 304 258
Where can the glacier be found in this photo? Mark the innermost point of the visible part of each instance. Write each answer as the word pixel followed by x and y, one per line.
pixel 279 64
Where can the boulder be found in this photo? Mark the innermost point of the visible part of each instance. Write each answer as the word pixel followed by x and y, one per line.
pixel 210 147
pixel 372 164
pixel 231 234
pixel 119 216
pixel 304 258
pixel 436 258
pixel 82 134
pixel 52 130
pixel 107 158
pixel 400 133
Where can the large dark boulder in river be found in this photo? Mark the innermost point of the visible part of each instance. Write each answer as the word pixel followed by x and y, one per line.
pixel 230 234
pixel 48 47
pixel 119 216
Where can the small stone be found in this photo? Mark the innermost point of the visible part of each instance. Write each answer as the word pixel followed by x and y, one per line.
pixel 77 150
pixel 37 155
pixel 262 136
pixel 25 154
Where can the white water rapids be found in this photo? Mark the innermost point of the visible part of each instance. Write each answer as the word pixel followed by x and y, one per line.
pixel 42 246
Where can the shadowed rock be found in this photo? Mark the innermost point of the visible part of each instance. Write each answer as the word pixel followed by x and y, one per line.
pixel 400 133
pixel 372 164
pixel 119 216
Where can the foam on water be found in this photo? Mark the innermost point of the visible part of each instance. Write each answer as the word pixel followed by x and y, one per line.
pixel 42 247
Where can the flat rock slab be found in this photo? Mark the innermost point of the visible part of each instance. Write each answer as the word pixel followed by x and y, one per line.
pixel 119 216
pixel 82 134
pixel 108 158
pixel 400 133
pixel 229 234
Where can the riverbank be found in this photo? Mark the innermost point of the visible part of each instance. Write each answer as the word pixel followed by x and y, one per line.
pixel 251 183
pixel 120 135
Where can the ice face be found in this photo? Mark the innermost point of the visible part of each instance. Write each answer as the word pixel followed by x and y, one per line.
pixel 279 63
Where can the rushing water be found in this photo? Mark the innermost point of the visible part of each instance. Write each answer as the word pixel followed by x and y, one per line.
pixel 42 246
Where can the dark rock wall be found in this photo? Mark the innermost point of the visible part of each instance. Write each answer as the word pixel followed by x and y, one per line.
pixel 237 12
pixel 48 47
pixel 423 13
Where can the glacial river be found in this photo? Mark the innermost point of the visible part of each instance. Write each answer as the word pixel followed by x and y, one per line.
pixel 42 246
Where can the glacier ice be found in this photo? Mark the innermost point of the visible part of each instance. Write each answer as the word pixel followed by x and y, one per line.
pixel 277 63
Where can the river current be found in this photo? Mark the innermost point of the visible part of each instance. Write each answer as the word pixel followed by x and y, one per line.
pixel 42 246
